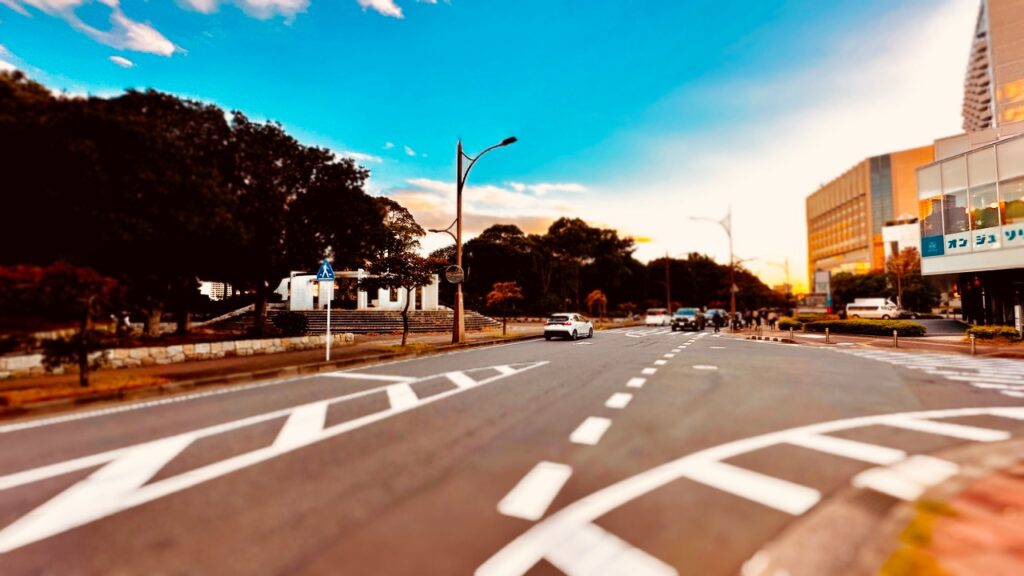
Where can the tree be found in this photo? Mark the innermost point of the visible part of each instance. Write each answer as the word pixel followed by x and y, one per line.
pixel 399 270
pixel 502 296
pixel 61 293
pixel 900 266
pixel 846 287
pixel 598 299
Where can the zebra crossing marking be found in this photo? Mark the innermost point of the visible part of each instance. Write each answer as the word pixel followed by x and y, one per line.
pixel 999 374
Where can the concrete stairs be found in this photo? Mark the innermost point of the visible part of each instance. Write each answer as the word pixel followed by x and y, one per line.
pixel 366 321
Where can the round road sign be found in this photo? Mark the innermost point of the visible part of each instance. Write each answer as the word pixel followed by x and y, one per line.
pixel 454 274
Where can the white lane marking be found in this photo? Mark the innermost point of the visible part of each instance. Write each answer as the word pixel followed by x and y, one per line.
pixel 704 367
pixel 506 370
pixel 590 431
pixel 908 479
pixel 520 555
pixel 530 498
pixel 619 400
pixel 359 376
pixel 304 423
pixel 402 396
pixel 592 551
pixel 669 356
pixel 660 362
pixel 983 378
pixel 583 344
pixel 756 565
pixel 848 448
pixel 648 371
pixel 718 347
pixel 461 380
pixel 636 382
pixel 125 467
pixel 1013 394
pixel 778 494
pixel 101 494
pixel 949 429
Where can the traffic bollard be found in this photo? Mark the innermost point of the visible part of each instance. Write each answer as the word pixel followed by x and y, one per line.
pixel 895 339
pixel 974 348
pixel 827 339
pixel 791 333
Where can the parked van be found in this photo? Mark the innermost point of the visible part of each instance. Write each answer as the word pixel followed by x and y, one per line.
pixel 882 308
pixel 657 317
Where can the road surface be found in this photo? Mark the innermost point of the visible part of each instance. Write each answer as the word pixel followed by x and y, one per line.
pixel 641 451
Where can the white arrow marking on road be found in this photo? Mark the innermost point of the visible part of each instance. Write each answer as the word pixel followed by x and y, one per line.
pixel 120 484
pixel 101 494
pixel 305 422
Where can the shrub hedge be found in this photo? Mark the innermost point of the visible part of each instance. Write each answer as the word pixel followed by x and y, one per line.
pixel 869 327
pixel 291 323
pixel 785 323
pixel 994 332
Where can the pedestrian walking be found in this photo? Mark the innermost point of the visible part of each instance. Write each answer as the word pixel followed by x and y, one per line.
pixel 717 321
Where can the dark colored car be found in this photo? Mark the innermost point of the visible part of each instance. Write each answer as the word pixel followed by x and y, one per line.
pixel 688 319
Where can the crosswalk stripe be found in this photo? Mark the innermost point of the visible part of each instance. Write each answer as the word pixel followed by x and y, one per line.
pixel 948 429
pixel 593 551
pixel 848 448
pixel 908 479
pixel 772 492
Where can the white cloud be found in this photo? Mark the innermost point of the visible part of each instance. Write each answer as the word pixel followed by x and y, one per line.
pixel 384 7
pixel 389 145
pixel 360 157
pixel 124 33
pixel 122 62
pixel 409 151
pixel 5 60
pixel 881 89
pixel 547 187
pixel 256 8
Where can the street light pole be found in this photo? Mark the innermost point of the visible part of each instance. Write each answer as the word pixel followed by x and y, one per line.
pixel 726 224
pixel 459 321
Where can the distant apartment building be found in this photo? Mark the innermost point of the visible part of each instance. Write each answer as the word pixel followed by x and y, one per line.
pixel 845 217
pixel 971 199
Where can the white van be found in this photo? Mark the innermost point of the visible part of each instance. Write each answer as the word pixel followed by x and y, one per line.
pixel 877 308
pixel 657 317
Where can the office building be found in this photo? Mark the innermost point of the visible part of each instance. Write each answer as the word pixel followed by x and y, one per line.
pixel 845 217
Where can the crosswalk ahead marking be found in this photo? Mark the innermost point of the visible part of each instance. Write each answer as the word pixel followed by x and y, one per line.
pixel 121 482
pixel 899 475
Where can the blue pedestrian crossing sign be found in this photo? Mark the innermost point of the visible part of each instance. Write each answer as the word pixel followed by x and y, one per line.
pixel 325 273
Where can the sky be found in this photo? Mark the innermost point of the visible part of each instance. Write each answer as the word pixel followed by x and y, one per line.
pixel 636 115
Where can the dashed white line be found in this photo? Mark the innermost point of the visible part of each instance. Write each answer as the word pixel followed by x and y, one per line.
pixel 619 400
pixel 590 431
pixel 704 367
pixel 660 362
pixel 669 356
pixel 648 371
pixel 530 498
pixel 636 382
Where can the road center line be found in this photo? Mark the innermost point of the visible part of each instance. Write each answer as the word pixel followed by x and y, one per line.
pixel 619 400
pixel 648 371
pixel 636 382
pixel 660 362
pixel 530 498
pixel 590 431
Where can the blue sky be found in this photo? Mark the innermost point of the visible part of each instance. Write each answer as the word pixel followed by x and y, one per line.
pixel 631 114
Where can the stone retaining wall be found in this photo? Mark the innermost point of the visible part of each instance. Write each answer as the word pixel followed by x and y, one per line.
pixel 32 364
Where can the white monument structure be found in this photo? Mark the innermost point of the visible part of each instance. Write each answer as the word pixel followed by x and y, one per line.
pixel 301 291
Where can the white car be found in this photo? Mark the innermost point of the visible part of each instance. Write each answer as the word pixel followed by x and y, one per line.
pixel 568 325
pixel 657 317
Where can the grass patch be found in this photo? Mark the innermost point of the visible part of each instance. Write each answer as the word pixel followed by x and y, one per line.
pixel 912 558
pixel 114 383
pixel 867 327
pixel 1003 333
pixel 410 347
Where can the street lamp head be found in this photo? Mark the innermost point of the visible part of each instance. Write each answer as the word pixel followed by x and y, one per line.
pixel 509 140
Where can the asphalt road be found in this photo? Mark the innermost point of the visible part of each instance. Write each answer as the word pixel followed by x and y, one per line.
pixel 640 452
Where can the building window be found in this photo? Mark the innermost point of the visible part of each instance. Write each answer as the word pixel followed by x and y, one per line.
pixel 981 172
pixel 929 191
pixel 954 196
pixel 1011 180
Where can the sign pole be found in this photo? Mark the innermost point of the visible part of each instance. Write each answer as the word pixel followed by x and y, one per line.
pixel 325 275
pixel 330 293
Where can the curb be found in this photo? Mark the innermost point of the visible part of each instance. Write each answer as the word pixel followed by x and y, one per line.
pixel 245 377
pixel 772 339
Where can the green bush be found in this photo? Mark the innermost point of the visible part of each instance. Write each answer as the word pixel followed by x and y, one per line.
pixel 785 323
pixel 291 323
pixel 994 332
pixel 869 327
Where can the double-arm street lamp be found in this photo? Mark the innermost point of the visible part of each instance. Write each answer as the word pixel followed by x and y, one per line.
pixel 462 173
pixel 726 224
